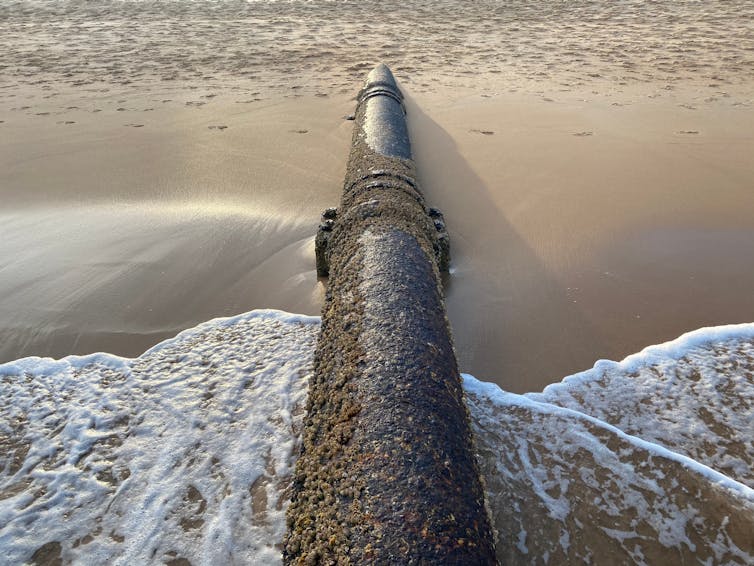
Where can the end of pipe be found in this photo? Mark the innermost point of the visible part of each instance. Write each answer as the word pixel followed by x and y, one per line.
pixel 380 81
pixel 381 74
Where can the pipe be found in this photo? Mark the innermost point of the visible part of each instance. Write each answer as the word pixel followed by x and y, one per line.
pixel 387 471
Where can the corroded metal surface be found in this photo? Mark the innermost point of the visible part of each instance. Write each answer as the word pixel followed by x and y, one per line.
pixel 387 473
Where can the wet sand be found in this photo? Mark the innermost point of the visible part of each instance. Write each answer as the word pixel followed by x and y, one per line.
pixel 115 237
pixel 158 168
pixel 570 247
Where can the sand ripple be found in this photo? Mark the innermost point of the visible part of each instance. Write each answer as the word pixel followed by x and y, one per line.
pixel 327 45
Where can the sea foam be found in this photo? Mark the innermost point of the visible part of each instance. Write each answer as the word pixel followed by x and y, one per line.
pixel 186 452
pixel 183 452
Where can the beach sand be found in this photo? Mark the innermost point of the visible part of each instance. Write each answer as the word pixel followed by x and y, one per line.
pixel 570 247
pixel 114 237
pixel 165 163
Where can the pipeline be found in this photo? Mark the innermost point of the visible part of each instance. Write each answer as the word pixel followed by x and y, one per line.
pixel 387 471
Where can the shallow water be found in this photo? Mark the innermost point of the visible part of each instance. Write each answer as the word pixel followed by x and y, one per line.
pixel 123 277
pixel 187 451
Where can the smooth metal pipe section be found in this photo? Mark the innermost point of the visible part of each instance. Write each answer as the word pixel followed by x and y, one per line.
pixel 384 123
pixel 387 472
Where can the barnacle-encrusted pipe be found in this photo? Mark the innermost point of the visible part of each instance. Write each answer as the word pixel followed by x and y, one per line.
pixel 387 472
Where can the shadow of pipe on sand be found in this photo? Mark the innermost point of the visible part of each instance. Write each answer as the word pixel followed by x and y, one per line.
pixel 513 323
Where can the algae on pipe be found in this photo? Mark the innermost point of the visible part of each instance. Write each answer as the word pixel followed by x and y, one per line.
pixel 387 471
